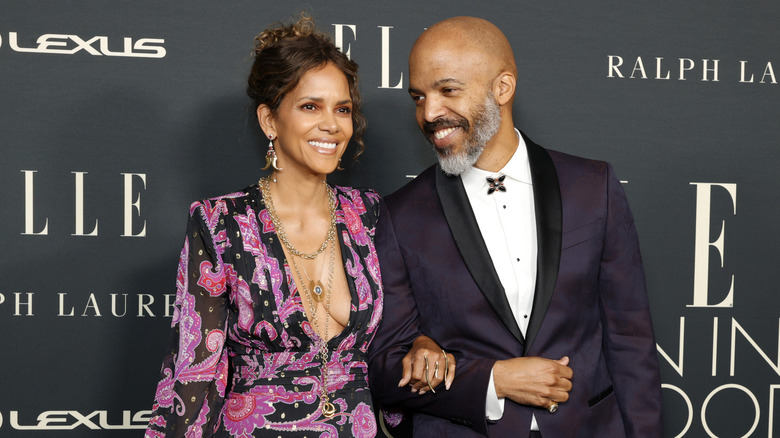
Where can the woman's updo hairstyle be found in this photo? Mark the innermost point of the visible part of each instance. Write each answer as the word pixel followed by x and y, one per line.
pixel 285 53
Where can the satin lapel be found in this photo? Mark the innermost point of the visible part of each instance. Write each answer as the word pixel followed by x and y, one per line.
pixel 465 231
pixel 549 220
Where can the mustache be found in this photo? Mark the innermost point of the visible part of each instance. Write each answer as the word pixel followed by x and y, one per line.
pixel 431 127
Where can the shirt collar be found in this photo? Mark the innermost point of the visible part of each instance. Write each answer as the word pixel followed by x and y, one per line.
pixel 516 169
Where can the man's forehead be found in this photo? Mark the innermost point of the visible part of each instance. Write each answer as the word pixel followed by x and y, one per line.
pixel 445 56
pixel 444 49
pixel 435 74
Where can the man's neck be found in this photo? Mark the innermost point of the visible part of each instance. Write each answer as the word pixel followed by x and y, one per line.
pixel 499 150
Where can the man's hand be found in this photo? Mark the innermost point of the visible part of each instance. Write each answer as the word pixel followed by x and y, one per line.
pixel 533 381
pixel 423 350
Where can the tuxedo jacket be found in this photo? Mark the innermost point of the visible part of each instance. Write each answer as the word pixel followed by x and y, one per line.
pixel 590 304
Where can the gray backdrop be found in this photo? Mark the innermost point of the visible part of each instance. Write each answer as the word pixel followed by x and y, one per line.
pixel 116 115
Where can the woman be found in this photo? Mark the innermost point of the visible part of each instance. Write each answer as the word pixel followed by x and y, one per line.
pixel 278 288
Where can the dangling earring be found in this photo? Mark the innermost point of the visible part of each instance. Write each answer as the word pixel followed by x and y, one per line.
pixel 338 166
pixel 270 156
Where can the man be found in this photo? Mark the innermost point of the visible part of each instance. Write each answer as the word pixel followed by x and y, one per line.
pixel 522 262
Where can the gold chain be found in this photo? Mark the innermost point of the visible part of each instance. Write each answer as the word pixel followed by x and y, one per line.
pixel 269 204
pixel 328 408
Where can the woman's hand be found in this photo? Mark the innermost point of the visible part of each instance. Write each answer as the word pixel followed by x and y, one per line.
pixel 426 366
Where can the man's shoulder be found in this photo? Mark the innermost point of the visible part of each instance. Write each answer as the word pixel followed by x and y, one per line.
pixel 563 159
pixel 578 175
pixel 421 187
pixel 573 166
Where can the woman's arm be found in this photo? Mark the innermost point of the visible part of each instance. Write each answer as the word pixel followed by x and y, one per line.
pixel 191 391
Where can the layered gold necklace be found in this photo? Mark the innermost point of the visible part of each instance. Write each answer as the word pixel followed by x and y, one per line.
pixel 266 191
pixel 315 291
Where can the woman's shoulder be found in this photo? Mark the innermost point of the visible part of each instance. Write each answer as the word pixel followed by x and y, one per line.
pixel 219 206
pixel 362 195
pixel 232 198
pixel 358 193
pixel 361 200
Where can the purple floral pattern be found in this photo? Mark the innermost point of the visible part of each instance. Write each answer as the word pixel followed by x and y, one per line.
pixel 244 362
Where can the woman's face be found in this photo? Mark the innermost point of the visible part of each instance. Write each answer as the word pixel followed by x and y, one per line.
pixel 313 123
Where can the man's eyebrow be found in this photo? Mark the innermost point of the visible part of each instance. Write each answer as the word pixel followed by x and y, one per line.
pixel 444 81
pixel 438 84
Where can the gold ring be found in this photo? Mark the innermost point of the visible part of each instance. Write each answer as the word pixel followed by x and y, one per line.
pixel 427 378
pixel 446 364
pixel 552 408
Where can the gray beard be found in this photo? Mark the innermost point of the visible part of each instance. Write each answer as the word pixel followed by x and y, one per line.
pixel 486 123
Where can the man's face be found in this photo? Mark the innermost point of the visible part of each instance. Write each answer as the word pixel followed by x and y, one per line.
pixel 455 108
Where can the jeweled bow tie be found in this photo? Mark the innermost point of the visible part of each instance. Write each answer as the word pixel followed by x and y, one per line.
pixel 496 184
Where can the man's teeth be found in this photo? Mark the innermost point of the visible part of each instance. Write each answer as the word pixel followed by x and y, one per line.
pixel 322 145
pixel 442 133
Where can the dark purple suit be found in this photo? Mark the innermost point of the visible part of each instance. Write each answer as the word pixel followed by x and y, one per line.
pixel 590 304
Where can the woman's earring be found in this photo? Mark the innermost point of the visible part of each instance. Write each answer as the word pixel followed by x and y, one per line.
pixel 270 156
pixel 338 166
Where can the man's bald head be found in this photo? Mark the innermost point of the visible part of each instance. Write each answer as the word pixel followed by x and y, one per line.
pixel 470 39
pixel 462 77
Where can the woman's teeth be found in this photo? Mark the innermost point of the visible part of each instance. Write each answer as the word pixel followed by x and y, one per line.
pixel 322 145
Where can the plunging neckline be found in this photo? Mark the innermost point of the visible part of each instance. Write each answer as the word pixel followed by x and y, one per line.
pixel 276 245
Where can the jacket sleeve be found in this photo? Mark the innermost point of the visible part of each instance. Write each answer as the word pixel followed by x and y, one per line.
pixel 464 403
pixel 629 343
pixel 191 391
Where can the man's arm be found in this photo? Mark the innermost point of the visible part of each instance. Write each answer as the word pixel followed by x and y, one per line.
pixel 398 329
pixel 629 344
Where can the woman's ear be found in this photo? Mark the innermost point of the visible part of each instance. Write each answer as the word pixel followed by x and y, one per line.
pixel 266 120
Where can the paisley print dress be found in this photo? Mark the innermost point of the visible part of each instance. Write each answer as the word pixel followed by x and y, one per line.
pixel 243 360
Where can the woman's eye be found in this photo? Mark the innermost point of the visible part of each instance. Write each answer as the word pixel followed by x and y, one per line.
pixel 345 110
pixel 308 106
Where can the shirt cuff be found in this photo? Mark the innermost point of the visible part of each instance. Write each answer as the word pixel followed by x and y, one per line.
pixel 494 406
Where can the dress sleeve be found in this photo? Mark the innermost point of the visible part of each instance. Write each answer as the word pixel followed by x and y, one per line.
pixel 194 372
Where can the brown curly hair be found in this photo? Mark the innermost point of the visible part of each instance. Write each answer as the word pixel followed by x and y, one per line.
pixel 285 53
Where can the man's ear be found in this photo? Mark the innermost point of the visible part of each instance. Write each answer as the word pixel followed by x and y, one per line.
pixel 266 120
pixel 504 88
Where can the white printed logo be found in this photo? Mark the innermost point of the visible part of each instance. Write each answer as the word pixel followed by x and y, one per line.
pixel 97 46
pixel 69 420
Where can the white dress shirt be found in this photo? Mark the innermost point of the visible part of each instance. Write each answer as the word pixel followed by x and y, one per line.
pixel 508 226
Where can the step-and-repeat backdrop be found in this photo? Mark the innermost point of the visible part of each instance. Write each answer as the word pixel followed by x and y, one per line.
pixel 114 116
